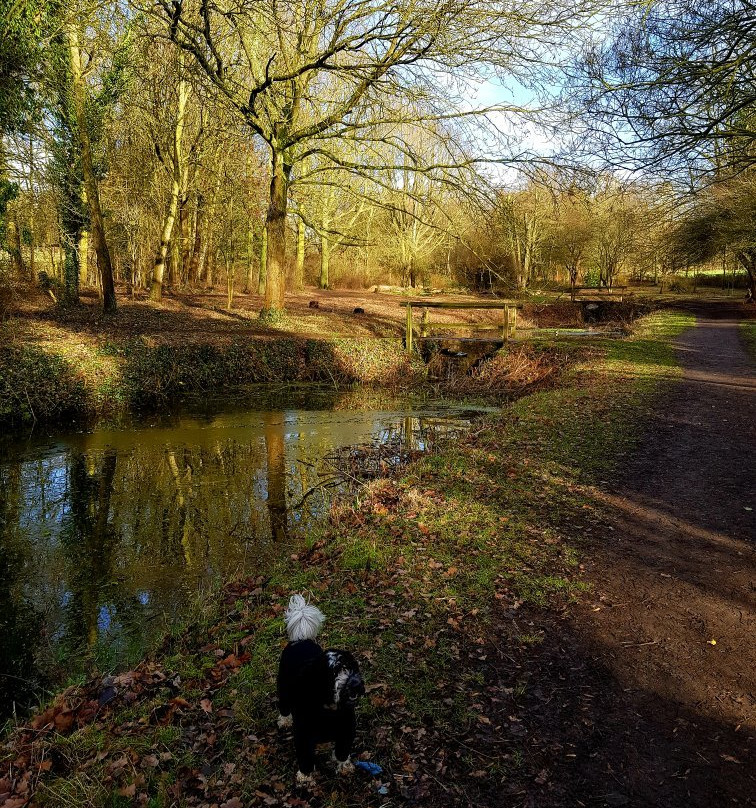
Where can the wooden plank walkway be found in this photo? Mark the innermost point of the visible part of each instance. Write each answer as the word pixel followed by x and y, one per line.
pixel 507 327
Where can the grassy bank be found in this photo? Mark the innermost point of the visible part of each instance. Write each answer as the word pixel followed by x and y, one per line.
pixel 59 379
pixel 432 580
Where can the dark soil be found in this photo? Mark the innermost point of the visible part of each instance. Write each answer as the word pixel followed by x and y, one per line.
pixel 644 696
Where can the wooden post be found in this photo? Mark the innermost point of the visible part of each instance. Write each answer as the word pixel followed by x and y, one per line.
pixel 513 321
pixel 505 324
pixel 424 323
pixel 408 340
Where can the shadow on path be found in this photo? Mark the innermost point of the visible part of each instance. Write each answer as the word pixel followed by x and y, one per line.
pixel 672 624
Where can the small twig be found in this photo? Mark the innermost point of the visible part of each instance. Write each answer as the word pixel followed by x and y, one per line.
pixel 332 482
pixel 471 748
pixel 31 409
pixel 638 644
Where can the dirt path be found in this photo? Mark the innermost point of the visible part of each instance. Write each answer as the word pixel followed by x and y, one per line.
pixel 628 702
pixel 682 556
pixel 673 622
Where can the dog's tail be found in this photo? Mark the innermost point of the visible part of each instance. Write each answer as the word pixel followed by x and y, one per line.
pixel 303 621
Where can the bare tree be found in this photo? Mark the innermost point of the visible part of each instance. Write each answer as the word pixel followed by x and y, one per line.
pixel 719 218
pixel 81 97
pixel 304 73
pixel 672 87
pixel 525 217
pixel 176 164
pixel 573 233
pixel 616 219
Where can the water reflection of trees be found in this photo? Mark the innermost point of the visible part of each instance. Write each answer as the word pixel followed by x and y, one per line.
pixel 20 623
pixel 88 541
pixel 275 456
pixel 106 535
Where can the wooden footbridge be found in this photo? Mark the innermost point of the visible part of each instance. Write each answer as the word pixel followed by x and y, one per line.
pixel 505 330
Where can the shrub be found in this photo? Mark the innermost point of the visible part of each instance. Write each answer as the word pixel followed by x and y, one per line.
pixel 35 386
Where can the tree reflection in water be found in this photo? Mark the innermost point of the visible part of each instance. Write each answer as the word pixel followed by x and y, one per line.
pixel 20 623
pixel 275 454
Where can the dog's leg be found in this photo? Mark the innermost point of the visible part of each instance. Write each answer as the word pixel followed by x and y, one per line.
pixel 342 766
pixel 347 729
pixel 304 746
pixel 305 779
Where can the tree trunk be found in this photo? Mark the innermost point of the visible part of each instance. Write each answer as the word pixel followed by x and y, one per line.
pixel 262 275
pixel 229 282
pixel 71 272
pixel 252 265
pixel 78 88
pixel 299 266
pixel 325 261
pixel 188 219
pixel 412 270
pixel 199 223
pixel 174 275
pixel 527 266
pixel 748 259
pixel 325 242
pixel 275 281
pixel 16 254
pixel 82 247
pixel 32 251
pixel 203 269
pixel 158 272
pixel 210 269
pixel 572 271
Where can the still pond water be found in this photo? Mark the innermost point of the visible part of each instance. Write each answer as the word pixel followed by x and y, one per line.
pixel 107 535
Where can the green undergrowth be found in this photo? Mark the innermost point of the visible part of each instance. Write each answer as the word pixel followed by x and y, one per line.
pixel 58 380
pixel 428 579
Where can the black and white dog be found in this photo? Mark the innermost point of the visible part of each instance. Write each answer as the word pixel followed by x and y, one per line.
pixel 317 690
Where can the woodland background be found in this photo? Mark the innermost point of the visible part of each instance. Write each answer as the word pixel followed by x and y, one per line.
pixel 264 146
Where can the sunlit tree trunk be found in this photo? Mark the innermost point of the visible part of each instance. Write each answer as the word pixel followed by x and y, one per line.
pixel 325 261
pixel 174 274
pixel 263 273
pixel 158 272
pixel 188 222
pixel 275 281
pixel 299 265
pixel 82 247
pixel 199 223
pixel 78 88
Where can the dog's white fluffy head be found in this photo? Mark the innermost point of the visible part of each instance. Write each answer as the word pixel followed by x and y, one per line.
pixel 303 621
